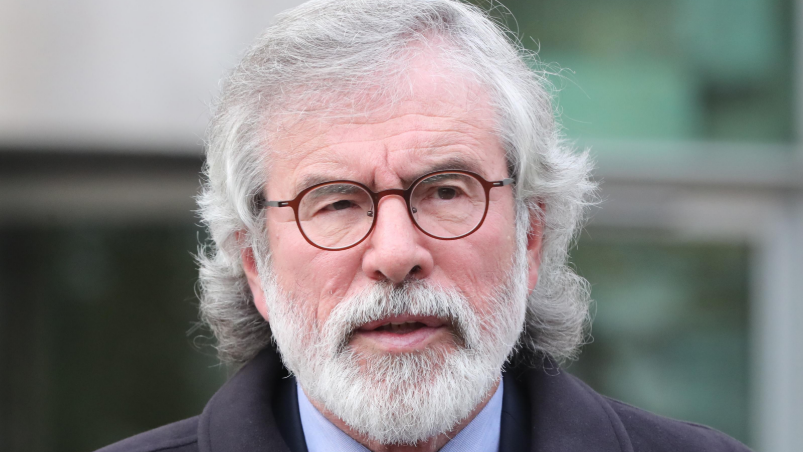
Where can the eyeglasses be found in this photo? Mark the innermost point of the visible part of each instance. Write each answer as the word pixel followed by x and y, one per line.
pixel 340 214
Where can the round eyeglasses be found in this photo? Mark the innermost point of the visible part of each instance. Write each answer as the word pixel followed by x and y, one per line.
pixel 340 214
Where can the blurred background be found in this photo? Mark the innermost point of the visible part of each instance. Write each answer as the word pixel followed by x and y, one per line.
pixel 693 110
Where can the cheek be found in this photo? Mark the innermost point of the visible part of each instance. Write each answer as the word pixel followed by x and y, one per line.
pixel 319 278
pixel 483 260
pixel 497 237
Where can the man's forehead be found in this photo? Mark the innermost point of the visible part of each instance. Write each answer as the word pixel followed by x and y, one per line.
pixel 438 119
pixel 408 145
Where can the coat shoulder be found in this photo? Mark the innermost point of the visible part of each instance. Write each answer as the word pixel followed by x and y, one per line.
pixel 650 432
pixel 181 436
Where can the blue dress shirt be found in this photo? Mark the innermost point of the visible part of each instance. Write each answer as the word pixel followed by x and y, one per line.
pixel 480 435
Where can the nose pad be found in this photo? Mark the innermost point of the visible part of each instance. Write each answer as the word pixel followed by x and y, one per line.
pixel 396 250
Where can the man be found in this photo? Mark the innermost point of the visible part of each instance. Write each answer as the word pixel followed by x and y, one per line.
pixel 391 203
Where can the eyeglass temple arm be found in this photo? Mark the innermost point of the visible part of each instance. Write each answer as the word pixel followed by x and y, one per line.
pixel 260 201
pixel 503 182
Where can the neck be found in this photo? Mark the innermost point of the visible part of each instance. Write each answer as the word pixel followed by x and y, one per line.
pixel 430 445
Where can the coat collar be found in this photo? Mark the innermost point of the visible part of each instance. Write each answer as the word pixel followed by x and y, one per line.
pixel 544 409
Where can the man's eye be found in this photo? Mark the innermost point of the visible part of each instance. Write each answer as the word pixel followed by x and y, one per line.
pixel 446 193
pixel 339 205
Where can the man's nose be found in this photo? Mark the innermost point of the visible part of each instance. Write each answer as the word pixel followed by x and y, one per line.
pixel 396 250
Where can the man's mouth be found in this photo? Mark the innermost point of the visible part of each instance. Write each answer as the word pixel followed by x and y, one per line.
pixel 402 333
pixel 401 328
pixel 403 323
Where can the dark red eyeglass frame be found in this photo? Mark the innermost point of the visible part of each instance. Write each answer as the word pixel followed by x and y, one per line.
pixel 376 196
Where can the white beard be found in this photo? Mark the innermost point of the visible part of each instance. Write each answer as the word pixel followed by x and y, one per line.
pixel 400 398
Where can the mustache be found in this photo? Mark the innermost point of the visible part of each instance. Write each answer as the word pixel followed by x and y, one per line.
pixel 412 297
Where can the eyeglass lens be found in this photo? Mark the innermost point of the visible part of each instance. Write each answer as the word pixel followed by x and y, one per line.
pixel 445 205
pixel 336 215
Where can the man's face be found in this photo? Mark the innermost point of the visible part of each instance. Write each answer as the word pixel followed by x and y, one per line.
pixel 444 123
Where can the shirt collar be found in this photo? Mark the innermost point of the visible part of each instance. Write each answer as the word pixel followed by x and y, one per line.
pixel 480 435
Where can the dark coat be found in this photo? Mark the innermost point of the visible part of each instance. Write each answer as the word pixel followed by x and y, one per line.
pixel 542 410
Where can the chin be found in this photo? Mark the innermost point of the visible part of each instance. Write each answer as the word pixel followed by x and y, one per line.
pixel 402 398
pixel 400 364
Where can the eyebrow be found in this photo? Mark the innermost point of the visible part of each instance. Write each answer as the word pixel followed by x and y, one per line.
pixel 452 163
pixel 310 180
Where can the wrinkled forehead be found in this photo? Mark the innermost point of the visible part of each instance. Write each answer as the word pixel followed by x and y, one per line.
pixel 425 87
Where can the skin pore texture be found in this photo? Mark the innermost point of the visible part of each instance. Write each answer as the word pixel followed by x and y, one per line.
pixel 445 122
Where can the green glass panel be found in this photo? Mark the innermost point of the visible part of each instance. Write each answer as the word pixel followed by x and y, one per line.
pixel 666 69
pixel 670 333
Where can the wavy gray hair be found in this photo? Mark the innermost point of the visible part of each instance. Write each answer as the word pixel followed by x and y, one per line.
pixel 328 52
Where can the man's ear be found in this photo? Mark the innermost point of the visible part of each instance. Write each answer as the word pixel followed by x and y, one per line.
pixel 254 282
pixel 534 248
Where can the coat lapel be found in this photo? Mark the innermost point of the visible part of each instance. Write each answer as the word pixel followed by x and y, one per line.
pixel 565 415
pixel 242 415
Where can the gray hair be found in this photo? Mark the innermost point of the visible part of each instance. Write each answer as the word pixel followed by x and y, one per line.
pixel 328 51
